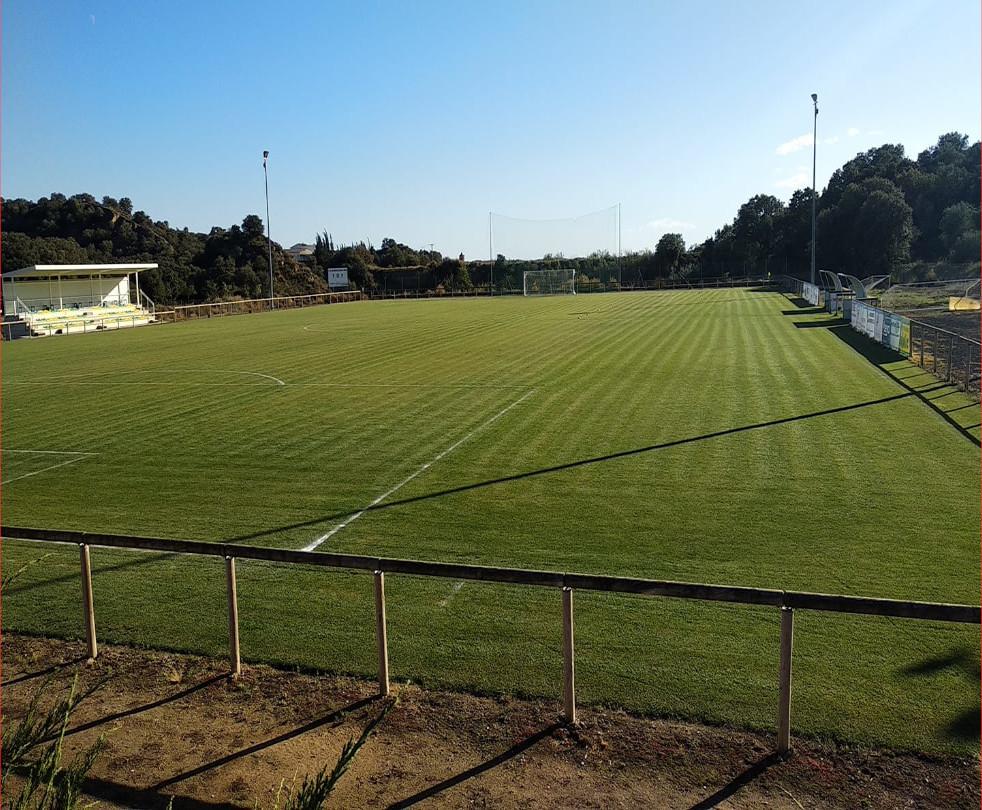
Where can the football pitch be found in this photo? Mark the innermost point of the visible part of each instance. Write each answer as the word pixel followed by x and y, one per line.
pixel 721 436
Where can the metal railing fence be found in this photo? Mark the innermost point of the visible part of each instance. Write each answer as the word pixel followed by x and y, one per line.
pixel 952 358
pixel 785 601
pixel 186 312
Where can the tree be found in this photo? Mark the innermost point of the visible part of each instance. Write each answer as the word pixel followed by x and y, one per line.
pixel 754 229
pixel 252 225
pixel 878 223
pixel 668 254
pixel 956 221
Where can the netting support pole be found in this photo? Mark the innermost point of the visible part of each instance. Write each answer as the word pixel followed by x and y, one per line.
pixel 380 635
pixel 784 682
pixel 618 245
pixel 569 673
pixel 88 603
pixel 490 254
pixel 235 661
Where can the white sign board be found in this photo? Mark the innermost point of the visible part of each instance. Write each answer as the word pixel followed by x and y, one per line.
pixel 810 293
pixel 337 277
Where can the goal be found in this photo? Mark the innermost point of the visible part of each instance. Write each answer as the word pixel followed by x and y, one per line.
pixel 549 282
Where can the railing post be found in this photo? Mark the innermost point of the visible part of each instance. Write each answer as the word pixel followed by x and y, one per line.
pixel 569 674
pixel 235 661
pixel 380 634
pixel 784 682
pixel 88 603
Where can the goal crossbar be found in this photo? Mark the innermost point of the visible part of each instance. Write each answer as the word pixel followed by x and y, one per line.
pixel 549 282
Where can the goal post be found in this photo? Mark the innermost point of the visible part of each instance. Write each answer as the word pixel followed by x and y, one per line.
pixel 549 282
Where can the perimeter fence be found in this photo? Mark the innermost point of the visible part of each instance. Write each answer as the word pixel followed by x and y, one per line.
pixel 787 602
pixel 953 358
pixel 249 306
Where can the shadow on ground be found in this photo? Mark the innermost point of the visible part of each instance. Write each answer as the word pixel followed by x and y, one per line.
pixel 741 780
pixel 335 716
pixel 477 770
pixel 881 356
pixel 305 524
pixel 964 661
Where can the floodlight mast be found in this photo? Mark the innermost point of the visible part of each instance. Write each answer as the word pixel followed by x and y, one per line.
pixel 269 236
pixel 814 190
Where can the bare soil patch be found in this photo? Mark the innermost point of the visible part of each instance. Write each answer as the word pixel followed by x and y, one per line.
pixel 176 726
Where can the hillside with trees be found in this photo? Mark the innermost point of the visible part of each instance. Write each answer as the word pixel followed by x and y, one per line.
pixel 224 263
pixel 881 212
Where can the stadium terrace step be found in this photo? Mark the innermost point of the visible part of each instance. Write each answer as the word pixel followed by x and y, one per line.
pixel 90 319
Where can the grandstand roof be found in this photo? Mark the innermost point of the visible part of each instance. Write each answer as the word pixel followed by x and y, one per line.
pixel 77 270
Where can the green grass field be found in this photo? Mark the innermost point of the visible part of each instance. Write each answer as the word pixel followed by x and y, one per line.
pixel 721 436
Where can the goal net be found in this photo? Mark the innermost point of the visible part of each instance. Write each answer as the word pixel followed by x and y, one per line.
pixel 549 282
pixel 588 244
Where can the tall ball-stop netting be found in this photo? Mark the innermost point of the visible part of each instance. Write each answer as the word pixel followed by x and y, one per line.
pixel 536 250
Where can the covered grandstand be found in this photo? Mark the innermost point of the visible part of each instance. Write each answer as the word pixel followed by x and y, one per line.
pixel 61 299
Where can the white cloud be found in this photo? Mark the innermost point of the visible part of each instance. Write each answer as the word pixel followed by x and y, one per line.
pixel 852 132
pixel 669 225
pixel 794 145
pixel 797 180
pixel 833 139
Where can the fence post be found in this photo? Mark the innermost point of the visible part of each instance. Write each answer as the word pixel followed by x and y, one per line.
pixel 380 634
pixel 784 682
pixel 968 367
pixel 88 603
pixel 569 674
pixel 233 618
pixel 951 357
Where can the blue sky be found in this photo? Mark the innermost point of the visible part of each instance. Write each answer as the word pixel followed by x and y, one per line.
pixel 413 120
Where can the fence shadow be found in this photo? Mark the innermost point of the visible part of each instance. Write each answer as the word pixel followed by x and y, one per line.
pixel 336 715
pixel 739 781
pixel 126 796
pixel 881 356
pixel 144 559
pixel 804 309
pixel 958 658
pixel 27 676
pixel 570 465
pixel 966 725
pixel 477 770
pixel 146 707
pixel 816 324
pixel 801 303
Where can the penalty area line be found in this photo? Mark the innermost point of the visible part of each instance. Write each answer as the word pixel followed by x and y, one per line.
pixel 447 451
pixel 77 457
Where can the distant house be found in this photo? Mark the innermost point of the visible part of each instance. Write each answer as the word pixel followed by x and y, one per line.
pixel 303 253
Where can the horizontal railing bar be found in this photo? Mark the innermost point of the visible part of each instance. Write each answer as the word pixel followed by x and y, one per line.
pixel 681 590
pixel 898 608
pixel 871 606
pixel 263 300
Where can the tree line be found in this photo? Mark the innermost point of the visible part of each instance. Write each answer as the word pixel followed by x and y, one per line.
pixel 881 212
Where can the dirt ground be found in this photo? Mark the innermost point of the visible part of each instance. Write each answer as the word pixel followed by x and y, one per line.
pixel 176 726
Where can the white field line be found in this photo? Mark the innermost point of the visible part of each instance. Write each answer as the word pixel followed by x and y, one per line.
pixel 64 381
pixel 324 537
pixel 78 456
pixel 53 452
pixel 86 379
